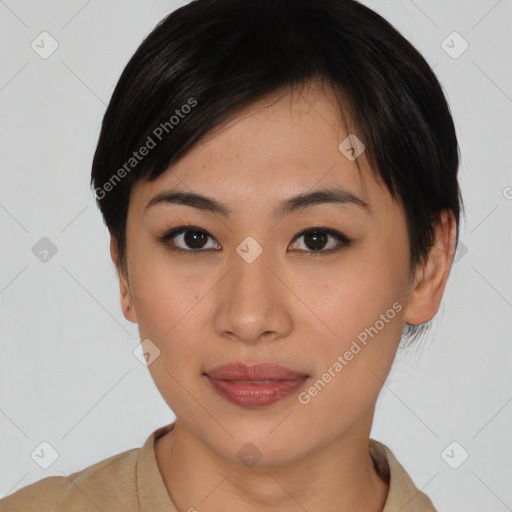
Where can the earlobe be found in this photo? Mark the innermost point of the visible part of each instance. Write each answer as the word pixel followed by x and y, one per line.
pixel 124 285
pixel 431 276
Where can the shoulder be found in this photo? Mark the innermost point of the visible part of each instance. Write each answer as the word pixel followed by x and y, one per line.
pixel 403 494
pixel 109 484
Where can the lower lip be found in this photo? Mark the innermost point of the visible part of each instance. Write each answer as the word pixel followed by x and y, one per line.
pixel 251 394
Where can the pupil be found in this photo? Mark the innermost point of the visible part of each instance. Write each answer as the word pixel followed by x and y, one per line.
pixel 191 238
pixel 318 237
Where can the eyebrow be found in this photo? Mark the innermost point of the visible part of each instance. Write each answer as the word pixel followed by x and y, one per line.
pixel 294 203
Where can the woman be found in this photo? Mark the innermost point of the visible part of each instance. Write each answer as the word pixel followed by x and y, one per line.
pixel 279 179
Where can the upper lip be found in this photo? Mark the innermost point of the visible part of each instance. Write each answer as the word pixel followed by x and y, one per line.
pixel 254 372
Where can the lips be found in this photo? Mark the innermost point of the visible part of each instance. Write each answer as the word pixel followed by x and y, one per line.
pixel 254 373
pixel 257 385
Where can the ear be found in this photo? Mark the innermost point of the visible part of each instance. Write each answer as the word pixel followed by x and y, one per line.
pixel 127 304
pixel 431 276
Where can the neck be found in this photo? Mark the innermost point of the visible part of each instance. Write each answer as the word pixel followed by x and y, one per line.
pixel 340 476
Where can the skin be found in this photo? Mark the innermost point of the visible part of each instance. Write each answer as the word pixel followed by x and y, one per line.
pixel 210 308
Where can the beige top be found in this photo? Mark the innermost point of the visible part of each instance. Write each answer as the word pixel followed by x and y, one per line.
pixel 131 482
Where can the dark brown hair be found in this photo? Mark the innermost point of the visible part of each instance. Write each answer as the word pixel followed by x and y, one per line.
pixel 210 58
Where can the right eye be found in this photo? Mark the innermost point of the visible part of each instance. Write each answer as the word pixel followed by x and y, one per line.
pixel 191 238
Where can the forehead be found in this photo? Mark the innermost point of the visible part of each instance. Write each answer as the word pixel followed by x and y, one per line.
pixel 284 144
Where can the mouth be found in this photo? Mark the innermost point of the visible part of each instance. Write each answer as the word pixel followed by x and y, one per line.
pixel 254 372
pixel 255 385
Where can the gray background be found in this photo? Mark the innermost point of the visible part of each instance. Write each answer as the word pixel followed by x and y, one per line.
pixel 68 375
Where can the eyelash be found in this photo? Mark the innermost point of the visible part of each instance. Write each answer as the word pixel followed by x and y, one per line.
pixel 343 241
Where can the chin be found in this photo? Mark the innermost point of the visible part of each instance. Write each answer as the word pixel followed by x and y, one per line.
pixel 254 447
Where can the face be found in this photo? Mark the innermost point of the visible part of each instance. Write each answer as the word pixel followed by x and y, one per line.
pixel 246 286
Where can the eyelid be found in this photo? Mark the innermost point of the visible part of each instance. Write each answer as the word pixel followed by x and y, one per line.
pixel 323 229
pixel 180 229
pixel 343 240
pixel 174 232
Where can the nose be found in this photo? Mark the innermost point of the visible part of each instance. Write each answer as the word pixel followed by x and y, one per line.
pixel 253 302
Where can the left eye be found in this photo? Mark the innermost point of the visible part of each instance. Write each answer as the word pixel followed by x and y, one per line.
pixel 315 239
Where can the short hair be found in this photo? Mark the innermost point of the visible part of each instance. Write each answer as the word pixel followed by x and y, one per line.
pixel 209 59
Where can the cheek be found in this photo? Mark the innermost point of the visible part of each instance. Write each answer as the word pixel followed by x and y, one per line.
pixel 352 365
pixel 169 309
pixel 361 307
pixel 167 293
pixel 352 295
pixel 171 298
